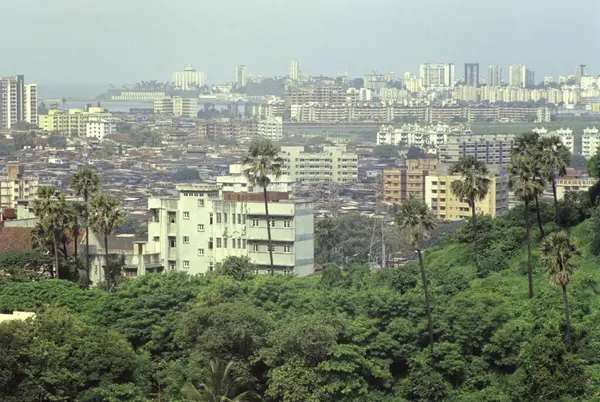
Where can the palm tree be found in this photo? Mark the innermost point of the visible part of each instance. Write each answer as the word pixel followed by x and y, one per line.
pixel 554 158
pixel 220 387
pixel 525 187
pixel 261 162
pixel 86 183
pixel 473 187
pixel 417 221
pixel 556 255
pixel 105 217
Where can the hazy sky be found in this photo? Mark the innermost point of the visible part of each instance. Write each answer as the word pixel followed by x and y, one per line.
pixel 96 42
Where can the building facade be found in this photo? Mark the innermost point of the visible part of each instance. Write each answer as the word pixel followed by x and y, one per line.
pixel 294 70
pixel 472 74
pixel 492 149
pixel 414 135
pixel 15 185
pixel 494 76
pixel 332 164
pixel 437 74
pixel 447 207
pixel 400 184
pixel 73 122
pixel 241 80
pixel 177 106
pixel 100 126
pixel 201 226
pixel 188 79
pixel 590 142
pixel 18 101
pixel 271 128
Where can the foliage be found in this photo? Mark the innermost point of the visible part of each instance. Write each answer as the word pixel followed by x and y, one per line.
pixel 238 268
pixel 57 141
pixel 593 165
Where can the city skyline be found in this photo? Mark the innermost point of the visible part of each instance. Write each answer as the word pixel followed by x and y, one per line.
pixel 106 56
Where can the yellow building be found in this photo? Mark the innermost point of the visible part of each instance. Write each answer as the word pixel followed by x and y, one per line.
pixel 73 121
pixel 447 207
pixel 15 185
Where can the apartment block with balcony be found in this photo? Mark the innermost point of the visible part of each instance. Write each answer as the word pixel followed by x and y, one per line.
pixel 590 142
pixel 332 164
pixel 400 184
pixel 201 226
pixel 447 207
pixel 492 149
pixel 15 185
pixel 73 122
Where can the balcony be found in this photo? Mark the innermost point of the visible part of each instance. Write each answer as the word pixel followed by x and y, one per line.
pixel 277 234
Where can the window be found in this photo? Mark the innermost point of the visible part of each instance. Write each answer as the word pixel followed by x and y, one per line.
pixel 200 227
pixel 172 266
pixel 210 218
pixel 210 266
pixel 156 239
pixel 210 244
pixel 287 223
pixel 272 248
pixel 272 223
pixel 233 244
pixel 254 223
pixel 186 264
pixel 186 239
pixel 287 249
pixel 244 219
pixel 225 217
pixel 172 242
pixel 218 217
pixel 239 243
pixel 200 252
pixel 200 203
pixel 224 242
pixel 243 243
pixel 219 241
pixel 255 247
pixel 186 215
pixel 240 219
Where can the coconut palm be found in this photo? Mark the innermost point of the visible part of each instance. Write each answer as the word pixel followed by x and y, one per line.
pixel 260 164
pixel 86 183
pixel 473 186
pixel 525 187
pixel 556 255
pixel 220 387
pixel 554 158
pixel 106 215
pixel 416 221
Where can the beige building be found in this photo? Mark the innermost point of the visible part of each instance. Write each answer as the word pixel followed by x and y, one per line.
pixel 189 79
pixel 177 106
pixel 447 207
pixel 18 101
pixel 491 149
pixel 15 185
pixel 590 142
pixel 73 122
pixel 204 224
pixel 400 184
pixel 328 164
pixel 271 128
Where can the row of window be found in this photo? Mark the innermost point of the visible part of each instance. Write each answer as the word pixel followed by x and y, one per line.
pixel 241 220
pixel 241 244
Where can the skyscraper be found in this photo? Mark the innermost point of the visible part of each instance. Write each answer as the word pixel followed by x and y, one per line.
pixel 294 70
pixel 240 76
pixel 472 74
pixel 437 74
pixel 494 76
pixel 529 78
pixel 581 71
pixel 18 102
pixel 517 75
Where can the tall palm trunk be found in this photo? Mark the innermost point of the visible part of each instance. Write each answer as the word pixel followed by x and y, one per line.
pixel 55 272
pixel 474 219
pixel 87 240
pixel 269 229
pixel 539 216
pixel 427 302
pixel 556 209
pixel 75 241
pixel 107 275
pixel 564 290
pixel 529 269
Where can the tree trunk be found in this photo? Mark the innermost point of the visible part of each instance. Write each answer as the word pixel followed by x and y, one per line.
pixel 75 241
pixel 556 209
pixel 569 341
pixel 539 217
pixel 269 230
pixel 474 219
pixel 107 277
pixel 427 302
pixel 65 248
pixel 55 272
pixel 87 241
pixel 529 269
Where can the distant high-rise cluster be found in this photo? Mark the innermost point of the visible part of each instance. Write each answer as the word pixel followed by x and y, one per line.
pixel 18 101
pixel 189 79
pixel 521 76
pixel 437 74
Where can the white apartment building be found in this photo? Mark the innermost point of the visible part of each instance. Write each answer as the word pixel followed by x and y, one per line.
pixel 271 127
pixel 494 76
pixel 18 101
pixel 15 185
pixel 412 83
pixel 414 135
pixel 177 106
pixel 31 104
pixel 590 142
pixel 237 182
pixel 330 164
pixel 565 134
pixel 203 225
pixel 100 126
pixel 437 74
pixel 241 80
pixel 294 70
pixel 517 75
pixel 188 79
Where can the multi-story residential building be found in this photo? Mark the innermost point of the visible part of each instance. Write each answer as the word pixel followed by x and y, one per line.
pixel 494 76
pixel 225 128
pixel 326 94
pixel 328 164
pixel 241 80
pixel 294 70
pixel 100 126
pixel 492 149
pixel 529 78
pixel 565 134
pixel 15 185
pixel 188 79
pixel 590 142
pixel 18 101
pixel 376 81
pixel 204 224
pixel 429 137
pixel 237 182
pixel 517 75
pixel 31 104
pixel 400 184
pixel 573 183
pixel 177 106
pixel 437 74
pixel 472 74
pixel 412 83
pixel 271 128
pixel 73 122
pixel 447 207
pixel 142 96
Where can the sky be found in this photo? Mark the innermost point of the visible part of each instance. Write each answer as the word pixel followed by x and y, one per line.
pixel 92 43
